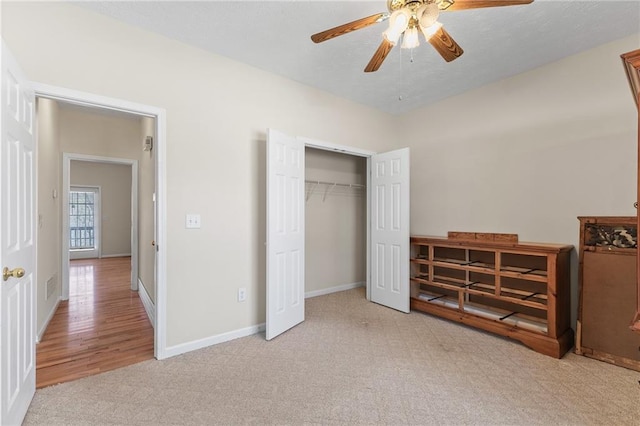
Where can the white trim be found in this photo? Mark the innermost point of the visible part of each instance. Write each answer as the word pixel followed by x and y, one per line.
pixel 334 289
pixel 160 115
pixel 116 255
pixel 147 303
pixel 368 244
pixel 47 321
pixel 67 157
pixel 213 340
pixel 328 146
pixel 77 97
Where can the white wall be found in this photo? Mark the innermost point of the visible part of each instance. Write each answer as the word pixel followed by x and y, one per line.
pixel 146 189
pixel 217 115
pixel 524 155
pixel 529 154
pixel 114 181
pixel 335 225
pixel 49 223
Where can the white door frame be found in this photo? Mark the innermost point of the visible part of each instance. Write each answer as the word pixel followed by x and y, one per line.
pixel 90 99
pixel 66 187
pixel 97 226
pixel 349 150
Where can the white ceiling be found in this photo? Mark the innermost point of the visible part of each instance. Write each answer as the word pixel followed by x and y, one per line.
pixel 274 36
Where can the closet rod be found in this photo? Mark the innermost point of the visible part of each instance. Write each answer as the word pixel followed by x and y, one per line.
pixel 348 185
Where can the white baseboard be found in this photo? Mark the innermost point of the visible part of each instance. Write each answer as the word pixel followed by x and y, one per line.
pixel 335 289
pixel 47 321
pixel 213 340
pixel 116 255
pixel 148 304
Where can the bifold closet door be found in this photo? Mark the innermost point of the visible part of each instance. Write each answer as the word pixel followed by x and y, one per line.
pixel 285 233
pixel 389 242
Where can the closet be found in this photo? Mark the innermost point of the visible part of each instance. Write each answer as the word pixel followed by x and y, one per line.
pixel 293 185
pixel 335 221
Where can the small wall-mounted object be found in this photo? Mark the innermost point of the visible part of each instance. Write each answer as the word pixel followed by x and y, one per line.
pixel 147 145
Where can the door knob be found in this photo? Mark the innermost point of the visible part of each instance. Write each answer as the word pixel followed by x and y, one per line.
pixel 15 273
pixel 153 243
pixel 635 204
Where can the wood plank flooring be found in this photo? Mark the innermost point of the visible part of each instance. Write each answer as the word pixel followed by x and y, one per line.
pixel 103 325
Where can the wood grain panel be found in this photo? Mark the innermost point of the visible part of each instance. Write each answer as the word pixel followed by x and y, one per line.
pixel 103 325
pixel 476 4
pixel 378 58
pixel 348 27
pixel 445 45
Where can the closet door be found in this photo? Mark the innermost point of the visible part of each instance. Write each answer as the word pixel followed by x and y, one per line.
pixel 389 242
pixel 285 233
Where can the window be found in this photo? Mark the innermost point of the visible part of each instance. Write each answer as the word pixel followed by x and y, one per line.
pixel 82 223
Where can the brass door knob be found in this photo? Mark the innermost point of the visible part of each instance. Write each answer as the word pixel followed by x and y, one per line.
pixel 15 273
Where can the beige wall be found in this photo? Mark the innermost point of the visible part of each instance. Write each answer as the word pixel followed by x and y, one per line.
pixel 217 115
pixel 529 154
pixel 146 189
pixel 92 132
pixel 114 181
pixel 335 229
pixel 524 155
pixel 49 223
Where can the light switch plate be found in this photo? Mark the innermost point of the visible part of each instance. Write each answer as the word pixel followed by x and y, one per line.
pixel 192 221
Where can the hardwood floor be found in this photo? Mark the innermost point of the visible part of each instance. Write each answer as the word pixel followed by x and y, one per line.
pixel 103 325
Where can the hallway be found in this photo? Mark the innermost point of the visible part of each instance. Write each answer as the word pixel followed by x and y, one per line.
pixel 103 325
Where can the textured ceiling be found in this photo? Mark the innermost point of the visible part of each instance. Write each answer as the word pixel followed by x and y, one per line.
pixel 274 36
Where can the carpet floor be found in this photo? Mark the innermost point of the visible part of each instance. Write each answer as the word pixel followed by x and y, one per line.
pixel 352 362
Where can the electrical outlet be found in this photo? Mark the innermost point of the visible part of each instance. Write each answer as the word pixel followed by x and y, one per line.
pixel 242 294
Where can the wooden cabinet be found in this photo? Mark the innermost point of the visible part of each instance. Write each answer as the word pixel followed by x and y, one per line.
pixel 607 283
pixel 631 63
pixel 517 290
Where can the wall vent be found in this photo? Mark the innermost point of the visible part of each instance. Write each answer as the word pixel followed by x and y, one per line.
pixel 50 286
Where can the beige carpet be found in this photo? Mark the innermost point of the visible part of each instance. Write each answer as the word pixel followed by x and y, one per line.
pixel 353 362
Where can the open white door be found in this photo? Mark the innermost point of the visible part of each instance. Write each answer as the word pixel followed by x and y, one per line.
pixel 390 229
pixel 285 233
pixel 17 244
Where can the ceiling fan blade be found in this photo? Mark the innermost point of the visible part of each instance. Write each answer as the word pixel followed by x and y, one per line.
pixel 347 28
pixel 378 58
pixel 476 4
pixel 445 45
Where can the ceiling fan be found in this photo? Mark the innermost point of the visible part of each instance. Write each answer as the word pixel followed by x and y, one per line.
pixel 405 18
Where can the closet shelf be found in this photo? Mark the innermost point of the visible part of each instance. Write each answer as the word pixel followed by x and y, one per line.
pixel 332 188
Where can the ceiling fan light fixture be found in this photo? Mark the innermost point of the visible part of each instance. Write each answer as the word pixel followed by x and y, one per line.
pixel 410 39
pixel 431 30
pixel 428 14
pixel 445 4
pixel 398 22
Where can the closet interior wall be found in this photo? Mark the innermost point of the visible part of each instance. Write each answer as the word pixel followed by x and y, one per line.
pixel 335 221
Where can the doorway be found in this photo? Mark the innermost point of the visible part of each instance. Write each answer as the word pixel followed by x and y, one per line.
pixel 118 185
pixel 335 222
pixel 153 151
pixel 99 221
pixel 387 228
